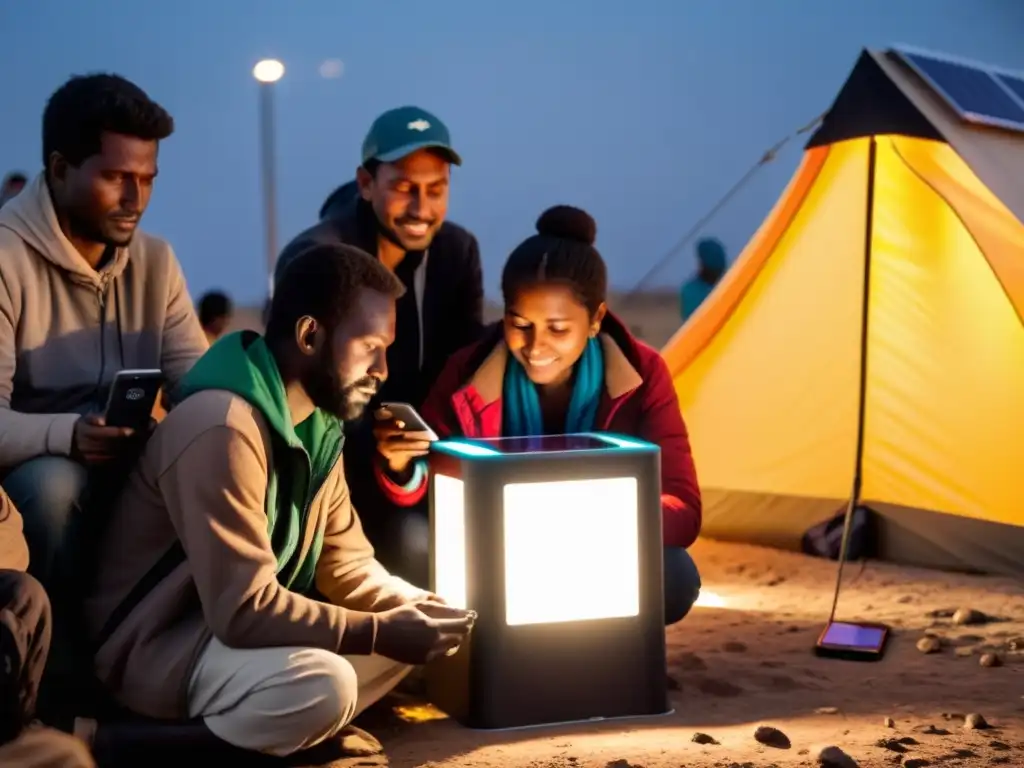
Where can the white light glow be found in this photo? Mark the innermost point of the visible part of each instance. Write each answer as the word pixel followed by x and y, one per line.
pixel 710 600
pixel 450 540
pixel 268 70
pixel 571 551
pixel 332 69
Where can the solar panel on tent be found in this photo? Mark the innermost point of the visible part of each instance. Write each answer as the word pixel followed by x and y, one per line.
pixel 1014 83
pixel 978 93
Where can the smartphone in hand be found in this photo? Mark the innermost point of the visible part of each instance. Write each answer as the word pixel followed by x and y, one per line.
pixel 133 394
pixel 410 418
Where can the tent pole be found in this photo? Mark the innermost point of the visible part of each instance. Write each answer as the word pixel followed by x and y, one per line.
pixel 869 222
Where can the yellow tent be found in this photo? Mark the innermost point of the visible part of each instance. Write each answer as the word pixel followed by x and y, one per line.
pixel 869 339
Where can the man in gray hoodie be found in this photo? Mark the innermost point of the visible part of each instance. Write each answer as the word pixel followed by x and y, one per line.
pixel 83 294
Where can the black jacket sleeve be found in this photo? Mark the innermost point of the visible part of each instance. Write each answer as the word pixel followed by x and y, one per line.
pixel 471 324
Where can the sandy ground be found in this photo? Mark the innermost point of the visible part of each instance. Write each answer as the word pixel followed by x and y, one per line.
pixel 750 663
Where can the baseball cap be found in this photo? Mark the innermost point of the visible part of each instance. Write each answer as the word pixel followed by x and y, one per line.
pixel 400 132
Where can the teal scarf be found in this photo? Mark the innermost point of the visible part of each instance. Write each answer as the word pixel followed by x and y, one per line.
pixel 521 413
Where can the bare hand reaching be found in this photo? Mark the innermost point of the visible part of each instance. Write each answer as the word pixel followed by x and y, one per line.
pixel 397 445
pixel 419 632
pixel 93 442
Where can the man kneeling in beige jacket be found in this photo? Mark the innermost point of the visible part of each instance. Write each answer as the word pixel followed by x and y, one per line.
pixel 25 622
pixel 236 588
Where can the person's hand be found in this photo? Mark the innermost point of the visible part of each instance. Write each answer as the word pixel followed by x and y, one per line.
pixel 395 444
pixel 93 442
pixel 418 632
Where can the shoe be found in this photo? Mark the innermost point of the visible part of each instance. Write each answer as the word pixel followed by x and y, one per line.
pixel 352 746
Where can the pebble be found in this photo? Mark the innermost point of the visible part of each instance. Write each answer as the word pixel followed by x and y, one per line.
pixel 990 660
pixel 965 651
pixel 975 722
pixel 968 616
pixel 827 711
pixel 703 738
pixel 929 645
pixel 772 737
pixel 893 745
pixel 690 662
pixel 889 723
pixel 915 762
pixel 834 757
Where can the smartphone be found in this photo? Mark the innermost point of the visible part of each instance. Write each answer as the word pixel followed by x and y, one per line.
pixel 853 641
pixel 410 417
pixel 133 394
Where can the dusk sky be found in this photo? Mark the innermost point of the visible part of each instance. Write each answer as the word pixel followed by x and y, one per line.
pixel 642 112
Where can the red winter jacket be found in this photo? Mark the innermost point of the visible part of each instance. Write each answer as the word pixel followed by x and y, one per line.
pixel 639 400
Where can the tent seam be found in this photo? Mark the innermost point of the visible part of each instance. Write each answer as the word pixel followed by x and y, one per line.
pixel 963 223
pixel 743 294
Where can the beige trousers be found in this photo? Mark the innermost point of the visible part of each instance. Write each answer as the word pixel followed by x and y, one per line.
pixel 46 748
pixel 281 700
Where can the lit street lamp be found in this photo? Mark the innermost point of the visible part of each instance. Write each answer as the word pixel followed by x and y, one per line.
pixel 267 72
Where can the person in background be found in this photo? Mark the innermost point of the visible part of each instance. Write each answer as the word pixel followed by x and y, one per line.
pixel 561 363
pixel 215 313
pixel 711 266
pixel 12 184
pixel 340 199
pixel 235 563
pixel 399 216
pixel 24 646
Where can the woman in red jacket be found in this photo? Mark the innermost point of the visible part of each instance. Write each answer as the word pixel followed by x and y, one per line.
pixel 558 364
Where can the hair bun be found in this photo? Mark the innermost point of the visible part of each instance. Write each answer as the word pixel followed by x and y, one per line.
pixel 569 223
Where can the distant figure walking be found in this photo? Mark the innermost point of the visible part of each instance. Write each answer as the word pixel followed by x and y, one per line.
pixel 12 184
pixel 711 266
pixel 215 313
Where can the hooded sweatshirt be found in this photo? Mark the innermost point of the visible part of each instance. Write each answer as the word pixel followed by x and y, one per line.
pixel 66 329
pixel 305 454
pixel 233 524
pixel 13 547
pixel 712 260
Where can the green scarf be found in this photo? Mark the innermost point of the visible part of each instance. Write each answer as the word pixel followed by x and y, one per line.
pixel 303 455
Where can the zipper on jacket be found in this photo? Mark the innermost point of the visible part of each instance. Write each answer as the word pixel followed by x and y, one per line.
pixel 311 496
pixel 310 493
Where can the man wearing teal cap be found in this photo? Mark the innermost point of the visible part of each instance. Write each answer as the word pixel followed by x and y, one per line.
pixel 396 210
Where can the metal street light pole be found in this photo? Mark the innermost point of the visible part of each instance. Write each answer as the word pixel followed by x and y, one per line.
pixel 267 72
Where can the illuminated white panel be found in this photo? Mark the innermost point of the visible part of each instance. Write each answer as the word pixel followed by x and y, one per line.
pixel 571 551
pixel 450 540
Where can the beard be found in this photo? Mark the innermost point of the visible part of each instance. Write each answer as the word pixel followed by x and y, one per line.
pixel 99 232
pixel 330 394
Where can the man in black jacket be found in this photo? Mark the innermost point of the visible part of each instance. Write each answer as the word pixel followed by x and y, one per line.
pixel 397 212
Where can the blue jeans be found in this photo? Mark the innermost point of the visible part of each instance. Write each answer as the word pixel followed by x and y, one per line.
pixel 46 491
pixel 682 584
